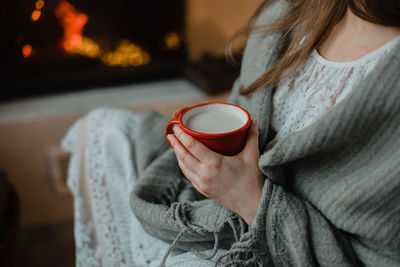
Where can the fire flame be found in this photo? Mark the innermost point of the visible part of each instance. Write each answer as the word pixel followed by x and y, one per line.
pixel 88 48
pixel 73 22
pixel 127 54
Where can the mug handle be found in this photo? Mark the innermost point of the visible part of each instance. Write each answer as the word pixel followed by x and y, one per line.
pixel 171 123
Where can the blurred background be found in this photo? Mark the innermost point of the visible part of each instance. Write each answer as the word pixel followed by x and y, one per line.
pixel 60 59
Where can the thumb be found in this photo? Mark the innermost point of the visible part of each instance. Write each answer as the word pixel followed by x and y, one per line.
pixel 179 111
pixel 251 146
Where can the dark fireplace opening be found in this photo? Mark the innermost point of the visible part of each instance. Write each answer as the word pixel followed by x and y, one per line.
pixel 62 45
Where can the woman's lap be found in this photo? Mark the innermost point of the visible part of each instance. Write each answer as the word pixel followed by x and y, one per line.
pixel 111 235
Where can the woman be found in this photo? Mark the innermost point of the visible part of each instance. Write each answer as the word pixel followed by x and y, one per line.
pixel 316 184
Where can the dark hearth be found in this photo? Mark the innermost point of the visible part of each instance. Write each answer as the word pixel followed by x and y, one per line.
pixel 53 46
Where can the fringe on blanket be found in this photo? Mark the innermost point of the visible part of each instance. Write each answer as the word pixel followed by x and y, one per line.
pixel 241 252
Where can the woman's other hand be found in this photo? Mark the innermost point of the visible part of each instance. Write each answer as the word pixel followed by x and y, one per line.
pixel 233 181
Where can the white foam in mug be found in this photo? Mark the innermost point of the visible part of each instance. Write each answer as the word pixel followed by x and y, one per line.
pixel 214 118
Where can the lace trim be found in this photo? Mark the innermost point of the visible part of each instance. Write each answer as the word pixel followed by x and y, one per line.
pixel 86 252
pixel 103 215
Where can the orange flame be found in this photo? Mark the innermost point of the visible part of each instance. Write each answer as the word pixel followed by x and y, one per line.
pixel 73 23
pixel 126 54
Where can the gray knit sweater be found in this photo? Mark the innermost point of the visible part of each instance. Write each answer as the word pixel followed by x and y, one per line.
pixel 331 194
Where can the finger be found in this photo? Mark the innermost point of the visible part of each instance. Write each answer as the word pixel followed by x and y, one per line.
pixel 252 139
pixel 183 154
pixel 196 148
pixel 199 190
pixel 177 112
pixel 191 175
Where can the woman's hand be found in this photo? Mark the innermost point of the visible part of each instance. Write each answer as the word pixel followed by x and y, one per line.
pixel 235 182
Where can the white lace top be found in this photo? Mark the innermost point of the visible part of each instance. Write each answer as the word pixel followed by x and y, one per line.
pixel 316 86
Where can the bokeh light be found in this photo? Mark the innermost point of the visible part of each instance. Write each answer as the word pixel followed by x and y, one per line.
pixel 39 4
pixel 36 15
pixel 27 50
pixel 172 41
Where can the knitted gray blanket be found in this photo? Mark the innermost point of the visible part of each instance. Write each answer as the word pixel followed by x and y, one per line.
pixel 331 194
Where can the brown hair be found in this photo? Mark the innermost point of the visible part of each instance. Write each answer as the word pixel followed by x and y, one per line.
pixel 306 25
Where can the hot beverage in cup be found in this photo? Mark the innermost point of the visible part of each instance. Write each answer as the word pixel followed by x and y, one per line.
pixel 220 126
pixel 214 119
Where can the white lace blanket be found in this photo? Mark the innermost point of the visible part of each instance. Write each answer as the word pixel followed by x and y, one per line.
pixel 111 235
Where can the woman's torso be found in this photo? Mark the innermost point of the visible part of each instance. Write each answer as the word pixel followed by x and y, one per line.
pixel 316 86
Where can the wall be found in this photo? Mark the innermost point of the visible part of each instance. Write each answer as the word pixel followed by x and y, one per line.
pixel 23 148
pixel 210 23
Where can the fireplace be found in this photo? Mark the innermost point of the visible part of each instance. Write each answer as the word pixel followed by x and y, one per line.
pixel 59 45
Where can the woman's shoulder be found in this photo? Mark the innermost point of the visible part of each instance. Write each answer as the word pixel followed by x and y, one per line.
pixel 272 11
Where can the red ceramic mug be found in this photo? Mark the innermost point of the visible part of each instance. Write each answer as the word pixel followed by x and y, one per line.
pixel 220 126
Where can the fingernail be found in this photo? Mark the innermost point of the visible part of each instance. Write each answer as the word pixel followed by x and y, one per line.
pixel 175 128
pixel 169 136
